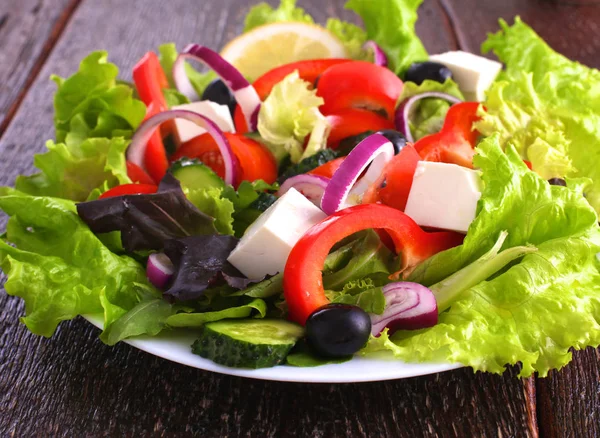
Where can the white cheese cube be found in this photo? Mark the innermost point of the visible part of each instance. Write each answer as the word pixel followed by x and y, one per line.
pixel 266 245
pixel 444 196
pixel 219 114
pixel 474 74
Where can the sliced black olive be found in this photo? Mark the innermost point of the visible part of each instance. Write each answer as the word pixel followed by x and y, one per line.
pixel 218 92
pixel 338 330
pixel 557 182
pixel 396 138
pixel 420 71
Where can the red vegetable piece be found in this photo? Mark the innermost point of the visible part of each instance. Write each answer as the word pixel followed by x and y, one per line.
pixel 137 175
pixel 353 121
pixel 129 189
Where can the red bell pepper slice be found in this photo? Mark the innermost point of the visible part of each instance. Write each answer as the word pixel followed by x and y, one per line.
pixel 138 175
pixel 129 189
pixel 302 277
pixel 155 155
pixel 353 121
pixel 328 169
pixel 455 143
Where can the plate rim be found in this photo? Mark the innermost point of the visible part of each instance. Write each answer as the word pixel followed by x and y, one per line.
pixel 160 346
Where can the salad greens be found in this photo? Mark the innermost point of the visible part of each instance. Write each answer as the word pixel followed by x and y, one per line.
pixel 545 106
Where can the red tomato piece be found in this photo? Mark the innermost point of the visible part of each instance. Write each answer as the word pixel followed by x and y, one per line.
pixel 353 121
pixel 307 70
pixel 129 189
pixel 359 84
pixel 137 174
pixel 329 168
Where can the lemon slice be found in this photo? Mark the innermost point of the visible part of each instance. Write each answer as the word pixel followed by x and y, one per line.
pixel 271 45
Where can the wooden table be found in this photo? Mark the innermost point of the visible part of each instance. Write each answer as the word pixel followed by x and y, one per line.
pixel 73 385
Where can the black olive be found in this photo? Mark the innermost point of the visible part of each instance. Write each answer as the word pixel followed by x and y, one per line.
pixel 557 182
pixel 218 92
pixel 396 138
pixel 420 71
pixel 338 330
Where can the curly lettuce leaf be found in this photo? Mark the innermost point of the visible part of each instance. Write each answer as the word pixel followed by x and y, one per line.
pixel 391 24
pixel 74 171
pixel 534 310
pixel 428 115
pixel 94 102
pixel 255 307
pixel 352 36
pixel 211 202
pixel 545 106
pixel 263 13
pixel 289 114
pixel 60 268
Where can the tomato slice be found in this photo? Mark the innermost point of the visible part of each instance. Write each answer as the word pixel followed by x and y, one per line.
pixel 349 122
pixel 307 70
pixel 129 189
pixel 393 187
pixel 359 84
pixel 329 168
pixel 255 160
pixel 137 174
pixel 456 141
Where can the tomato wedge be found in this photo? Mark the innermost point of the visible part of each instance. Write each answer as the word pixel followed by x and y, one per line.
pixel 359 84
pixel 349 122
pixel 455 143
pixel 307 70
pixel 255 160
pixel 393 187
pixel 129 189
pixel 329 168
pixel 137 174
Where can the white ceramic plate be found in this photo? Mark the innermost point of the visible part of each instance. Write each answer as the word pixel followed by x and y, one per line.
pixel 175 346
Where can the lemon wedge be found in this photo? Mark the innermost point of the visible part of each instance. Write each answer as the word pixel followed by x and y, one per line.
pixel 271 45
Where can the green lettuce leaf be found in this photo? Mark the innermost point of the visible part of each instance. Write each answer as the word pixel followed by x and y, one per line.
pixel 167 56
pixel 256 307
pixel 352 36
pixel 74 171
pixel 211 202
pixel 428 115
pixel 60 268
pixel 545 106
pixel 534 310
pixel 264 13
pixel 289 114
pixel 391 24
pixel 94 104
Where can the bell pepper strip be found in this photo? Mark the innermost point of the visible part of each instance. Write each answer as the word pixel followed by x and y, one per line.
pixel 455 143
pixel 150 79
pixel 302 277
pixel 393 186
pixel 129 189
pixel 354 121
pixel 138 175
pixel 359 84
pixel 328 169
pixel 307 70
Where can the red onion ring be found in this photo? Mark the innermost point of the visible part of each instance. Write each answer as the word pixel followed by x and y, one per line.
pixel 409 306
pixel 376 151
pixel 379 56
pixel 311 186
pixel 159 270
pixel 402 117
pixel 244 93
pixel 135 151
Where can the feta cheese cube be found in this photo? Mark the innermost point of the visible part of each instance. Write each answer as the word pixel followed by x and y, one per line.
pixel 219 114
pixel 444 196
pixel 266 245
pixel 474 74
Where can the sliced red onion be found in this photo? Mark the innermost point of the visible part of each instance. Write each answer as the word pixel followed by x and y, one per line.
pixel 159 269
pixel 343 190
pixel 403 112
pixel 409 306
pixel 311 186
pixel 244 93
pixel 135 152
pixel 379 57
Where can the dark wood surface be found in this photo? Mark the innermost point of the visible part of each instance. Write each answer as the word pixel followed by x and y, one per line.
pixel 73 385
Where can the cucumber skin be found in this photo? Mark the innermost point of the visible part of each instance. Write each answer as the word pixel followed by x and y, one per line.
pixel 230 352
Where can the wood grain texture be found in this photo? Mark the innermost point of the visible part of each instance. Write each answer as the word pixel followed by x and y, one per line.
pixel 28 31
pixel 73 385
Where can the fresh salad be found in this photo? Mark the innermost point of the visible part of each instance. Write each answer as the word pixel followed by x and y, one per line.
pixel 316 192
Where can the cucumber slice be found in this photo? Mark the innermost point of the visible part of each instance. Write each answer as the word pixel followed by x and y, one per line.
pixel 247 343
pixel 193 174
